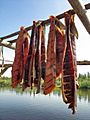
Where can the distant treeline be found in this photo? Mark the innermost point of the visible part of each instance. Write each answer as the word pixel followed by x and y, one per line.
pixel 83 79
pixel 83 76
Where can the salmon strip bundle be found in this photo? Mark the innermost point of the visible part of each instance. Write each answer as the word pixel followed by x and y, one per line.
pixel 49 83
pixel 60 48
pixel 73 34
pixel 21 53
pixel 28 72
pixel 43 52
pixel 38 59
pixel 69 67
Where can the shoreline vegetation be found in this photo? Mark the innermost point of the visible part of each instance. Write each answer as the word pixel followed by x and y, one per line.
pixel 83 79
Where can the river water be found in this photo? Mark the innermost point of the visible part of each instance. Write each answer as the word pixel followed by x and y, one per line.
pixel 18 105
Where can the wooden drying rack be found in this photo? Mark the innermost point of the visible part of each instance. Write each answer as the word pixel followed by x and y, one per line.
pixel 9 43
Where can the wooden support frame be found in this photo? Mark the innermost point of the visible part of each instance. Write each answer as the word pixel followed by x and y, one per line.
pixel 85 62
pixel 12 41
pixel 81 12
pixel 82 15
pixel 6 66
pixel 45 22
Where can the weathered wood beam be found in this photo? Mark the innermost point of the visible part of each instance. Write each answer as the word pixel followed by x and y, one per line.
pixel 5 65
pixel 87 6
pixel 81 12
pixel 45 22
pixel 1 40
pixel 85 62
pixel 4 70
pixel 8 45
pixel 12 41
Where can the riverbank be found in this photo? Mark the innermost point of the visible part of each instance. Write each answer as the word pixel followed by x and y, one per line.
pixel 84 82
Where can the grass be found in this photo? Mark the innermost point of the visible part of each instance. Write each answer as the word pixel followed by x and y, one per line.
pixel 84 83
pixel 5 81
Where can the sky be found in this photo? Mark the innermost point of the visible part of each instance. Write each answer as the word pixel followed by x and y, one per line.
pixel 16 13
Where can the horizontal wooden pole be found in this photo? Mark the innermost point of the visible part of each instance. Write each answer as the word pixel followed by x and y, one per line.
pixel 85 62
pixel 8 45
pixel 87 6
pixel 12 41
pixel 5 65
pixel 45 22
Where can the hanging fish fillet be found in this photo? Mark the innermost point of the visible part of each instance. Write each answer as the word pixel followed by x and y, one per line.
pixel 20 57
pixel 60 48
pixel 26 48
pixel 43 52
pixel 73 34
pixel 38 58
pixel 69 69
pixel 28 74
pixel 49 83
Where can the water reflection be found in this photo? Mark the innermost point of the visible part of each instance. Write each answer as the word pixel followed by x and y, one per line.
pixel 19 91
pixel 82 94
pixel 16 104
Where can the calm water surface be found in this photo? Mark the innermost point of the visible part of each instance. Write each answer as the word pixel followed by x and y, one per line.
pixel 18 105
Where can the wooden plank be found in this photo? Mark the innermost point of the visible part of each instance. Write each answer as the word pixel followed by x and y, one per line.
pixel 81 12
pixel 45 22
